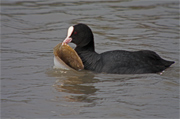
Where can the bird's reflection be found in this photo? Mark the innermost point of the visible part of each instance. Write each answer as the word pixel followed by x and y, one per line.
pixel 80 87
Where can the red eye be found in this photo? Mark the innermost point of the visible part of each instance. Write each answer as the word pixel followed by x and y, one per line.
pixel 75 32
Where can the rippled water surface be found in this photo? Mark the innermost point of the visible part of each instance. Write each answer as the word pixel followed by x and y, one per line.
pixel 31 88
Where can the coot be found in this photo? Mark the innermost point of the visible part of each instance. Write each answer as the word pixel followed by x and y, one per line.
pixel 116 61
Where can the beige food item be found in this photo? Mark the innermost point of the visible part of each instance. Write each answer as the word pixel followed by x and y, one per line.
pixel 67 56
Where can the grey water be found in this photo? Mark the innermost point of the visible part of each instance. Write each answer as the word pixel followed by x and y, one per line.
pixel 31 88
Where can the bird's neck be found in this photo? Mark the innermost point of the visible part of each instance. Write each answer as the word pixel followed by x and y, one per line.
pixel 89 47
pixel 89 57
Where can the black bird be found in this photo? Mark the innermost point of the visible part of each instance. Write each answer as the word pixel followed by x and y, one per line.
pixel 116 61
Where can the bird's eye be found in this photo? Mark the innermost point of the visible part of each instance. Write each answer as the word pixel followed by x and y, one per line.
pixel 75 32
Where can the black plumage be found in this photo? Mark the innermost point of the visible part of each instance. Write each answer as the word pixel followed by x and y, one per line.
pixel 116 61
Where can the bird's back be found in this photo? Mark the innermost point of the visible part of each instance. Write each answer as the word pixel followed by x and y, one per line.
pixel 126 62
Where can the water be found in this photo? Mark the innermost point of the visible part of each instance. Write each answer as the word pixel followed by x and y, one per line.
pixel 31 88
